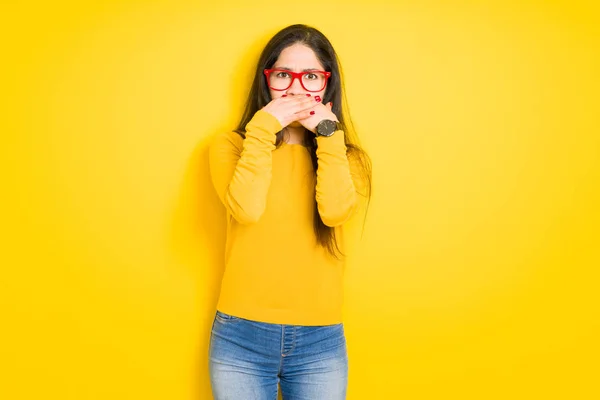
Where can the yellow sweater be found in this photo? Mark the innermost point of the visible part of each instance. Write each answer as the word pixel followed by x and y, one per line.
pixel 275 271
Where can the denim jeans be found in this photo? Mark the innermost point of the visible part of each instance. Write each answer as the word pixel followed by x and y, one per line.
pixel 247 359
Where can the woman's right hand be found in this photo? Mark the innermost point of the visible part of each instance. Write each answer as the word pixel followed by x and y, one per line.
pixel 290 108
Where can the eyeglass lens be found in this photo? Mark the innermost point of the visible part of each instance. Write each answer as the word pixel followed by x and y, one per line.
pixel 312 81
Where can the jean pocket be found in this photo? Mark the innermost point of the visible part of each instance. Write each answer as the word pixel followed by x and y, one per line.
pixel 224 318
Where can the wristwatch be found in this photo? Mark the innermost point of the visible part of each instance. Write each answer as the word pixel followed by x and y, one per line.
pixel 327 127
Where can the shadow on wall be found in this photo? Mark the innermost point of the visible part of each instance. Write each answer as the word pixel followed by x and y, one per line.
pixel 199 224
pixel 198 242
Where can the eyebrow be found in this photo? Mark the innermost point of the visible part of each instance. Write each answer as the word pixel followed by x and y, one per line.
pixel 304 70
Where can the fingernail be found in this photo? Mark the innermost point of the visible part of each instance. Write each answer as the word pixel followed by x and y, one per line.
pixel 284 95
pixel 312 113
pixel 308 94
pixel 330 103
pixel 318 98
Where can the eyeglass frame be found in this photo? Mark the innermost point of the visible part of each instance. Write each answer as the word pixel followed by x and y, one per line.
pixel 296 75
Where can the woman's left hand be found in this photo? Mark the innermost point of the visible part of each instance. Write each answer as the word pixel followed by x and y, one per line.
pixel 321 112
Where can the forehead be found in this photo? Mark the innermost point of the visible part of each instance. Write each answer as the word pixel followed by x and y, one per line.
pixel 298 57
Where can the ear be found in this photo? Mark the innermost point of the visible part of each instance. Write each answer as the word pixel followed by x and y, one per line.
pixel 329 105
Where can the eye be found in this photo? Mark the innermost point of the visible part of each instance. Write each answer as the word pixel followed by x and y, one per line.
pixel 311 76
pixel 282 74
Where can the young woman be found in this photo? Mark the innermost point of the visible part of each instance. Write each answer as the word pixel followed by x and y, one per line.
pixel 290 176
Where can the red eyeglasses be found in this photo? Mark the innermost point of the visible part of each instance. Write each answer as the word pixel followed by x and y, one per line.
pixel 282 79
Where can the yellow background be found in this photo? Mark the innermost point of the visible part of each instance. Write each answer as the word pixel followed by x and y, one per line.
pixel 477 275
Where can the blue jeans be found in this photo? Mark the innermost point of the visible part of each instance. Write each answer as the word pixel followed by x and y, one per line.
pixel 247 359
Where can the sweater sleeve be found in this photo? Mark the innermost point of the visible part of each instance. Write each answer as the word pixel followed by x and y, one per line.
pixel 241 168
pixel 336 191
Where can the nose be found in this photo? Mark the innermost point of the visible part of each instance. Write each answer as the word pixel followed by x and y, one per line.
pixel 296 87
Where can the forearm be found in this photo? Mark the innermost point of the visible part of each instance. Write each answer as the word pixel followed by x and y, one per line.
pixel 335 190
pixel 243 189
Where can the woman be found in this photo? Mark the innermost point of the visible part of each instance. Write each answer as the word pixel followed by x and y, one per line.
pixel 290 176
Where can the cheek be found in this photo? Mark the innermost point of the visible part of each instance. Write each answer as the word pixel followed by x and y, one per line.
pixel 275 94
pixel 322 92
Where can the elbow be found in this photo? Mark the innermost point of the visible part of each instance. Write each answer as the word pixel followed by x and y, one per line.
pixel 245 218
pixel 245 214
pixel 336 213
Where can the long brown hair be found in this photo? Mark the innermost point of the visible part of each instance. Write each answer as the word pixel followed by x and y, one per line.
pixel 260 96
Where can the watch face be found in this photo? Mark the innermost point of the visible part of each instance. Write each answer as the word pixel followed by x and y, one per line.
pixel 326 127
